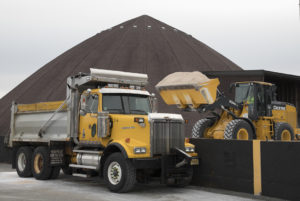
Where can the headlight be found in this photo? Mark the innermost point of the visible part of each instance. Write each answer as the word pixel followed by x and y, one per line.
pixel 139 150
pixel 189 149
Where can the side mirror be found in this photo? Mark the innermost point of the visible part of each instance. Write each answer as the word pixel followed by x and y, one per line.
pixel 154 103
pixel 83 105
pixel 231 86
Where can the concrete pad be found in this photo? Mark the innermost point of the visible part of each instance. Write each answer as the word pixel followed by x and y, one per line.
pixel 74 188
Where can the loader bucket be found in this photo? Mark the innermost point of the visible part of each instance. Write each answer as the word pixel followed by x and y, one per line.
pixel 188 89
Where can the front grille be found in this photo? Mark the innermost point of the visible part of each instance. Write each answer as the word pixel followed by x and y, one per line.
pixel 166 134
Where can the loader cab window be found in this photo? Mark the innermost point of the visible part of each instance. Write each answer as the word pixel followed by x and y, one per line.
pixel 264 98
pixel 244 92
pixel 261 103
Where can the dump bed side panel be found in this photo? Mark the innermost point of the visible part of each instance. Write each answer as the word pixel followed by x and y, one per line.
pixel 27 121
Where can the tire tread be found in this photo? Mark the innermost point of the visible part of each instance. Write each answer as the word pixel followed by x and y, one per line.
pixel 200 126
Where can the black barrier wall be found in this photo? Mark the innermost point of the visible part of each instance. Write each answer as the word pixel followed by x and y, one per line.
pixel 280 168
pixel 225 164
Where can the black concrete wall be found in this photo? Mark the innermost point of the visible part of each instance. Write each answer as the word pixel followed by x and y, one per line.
pixel 226 164
pixel 280 168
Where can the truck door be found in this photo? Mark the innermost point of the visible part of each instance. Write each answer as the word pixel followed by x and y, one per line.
pixel 88 119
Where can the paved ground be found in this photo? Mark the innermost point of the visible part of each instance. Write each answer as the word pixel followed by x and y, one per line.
pixel 74 188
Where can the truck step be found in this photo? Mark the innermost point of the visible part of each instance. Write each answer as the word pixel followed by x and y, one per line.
pixel 83 166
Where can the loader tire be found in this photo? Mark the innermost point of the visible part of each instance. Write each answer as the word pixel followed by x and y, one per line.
pixel 119 173
pixel 238 129
pixel 200 127
pixel 23 161
pixel 283 132
pixel 40 165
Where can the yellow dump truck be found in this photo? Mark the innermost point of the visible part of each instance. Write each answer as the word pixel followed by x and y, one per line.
pixel 254 114
pixel 107 125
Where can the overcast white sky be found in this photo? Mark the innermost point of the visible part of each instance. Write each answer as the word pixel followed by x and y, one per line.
pixel 256 34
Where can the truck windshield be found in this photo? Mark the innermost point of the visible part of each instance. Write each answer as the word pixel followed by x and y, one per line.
pixel 243 93
pixel 125 104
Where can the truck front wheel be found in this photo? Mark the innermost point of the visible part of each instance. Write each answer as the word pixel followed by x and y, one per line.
pixel 23 162
pixel 40 165
pixel 119 173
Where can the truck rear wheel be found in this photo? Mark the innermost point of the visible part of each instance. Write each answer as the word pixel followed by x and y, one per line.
pixel 119 173
pixel 40 166
pixel 201 127
pixel 23 161
pixel 238 129
pixel 284 132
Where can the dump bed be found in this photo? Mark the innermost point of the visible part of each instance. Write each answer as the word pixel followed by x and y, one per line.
pixel 188 89
pixel 39 122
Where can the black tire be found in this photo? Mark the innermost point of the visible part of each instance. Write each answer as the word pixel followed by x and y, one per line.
pixel 128 172
pixel 67 170
pixel 182 182
pixel 23 161
pixel 234 127
pixel 280 128
pixel 40 165
pixel 200 127
pixel 55 172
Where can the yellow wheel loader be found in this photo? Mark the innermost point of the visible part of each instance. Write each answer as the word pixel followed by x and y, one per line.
pixel 254 114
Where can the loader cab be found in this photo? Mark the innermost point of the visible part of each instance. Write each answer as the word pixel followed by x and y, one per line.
pixel 257 96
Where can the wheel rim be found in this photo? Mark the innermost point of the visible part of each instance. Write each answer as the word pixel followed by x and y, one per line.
pixel 21 162
pixel 242 134
pixel 38 163
pixel 286 135
pixel 114 173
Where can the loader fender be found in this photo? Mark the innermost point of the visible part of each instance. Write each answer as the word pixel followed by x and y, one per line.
pixel 251 124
